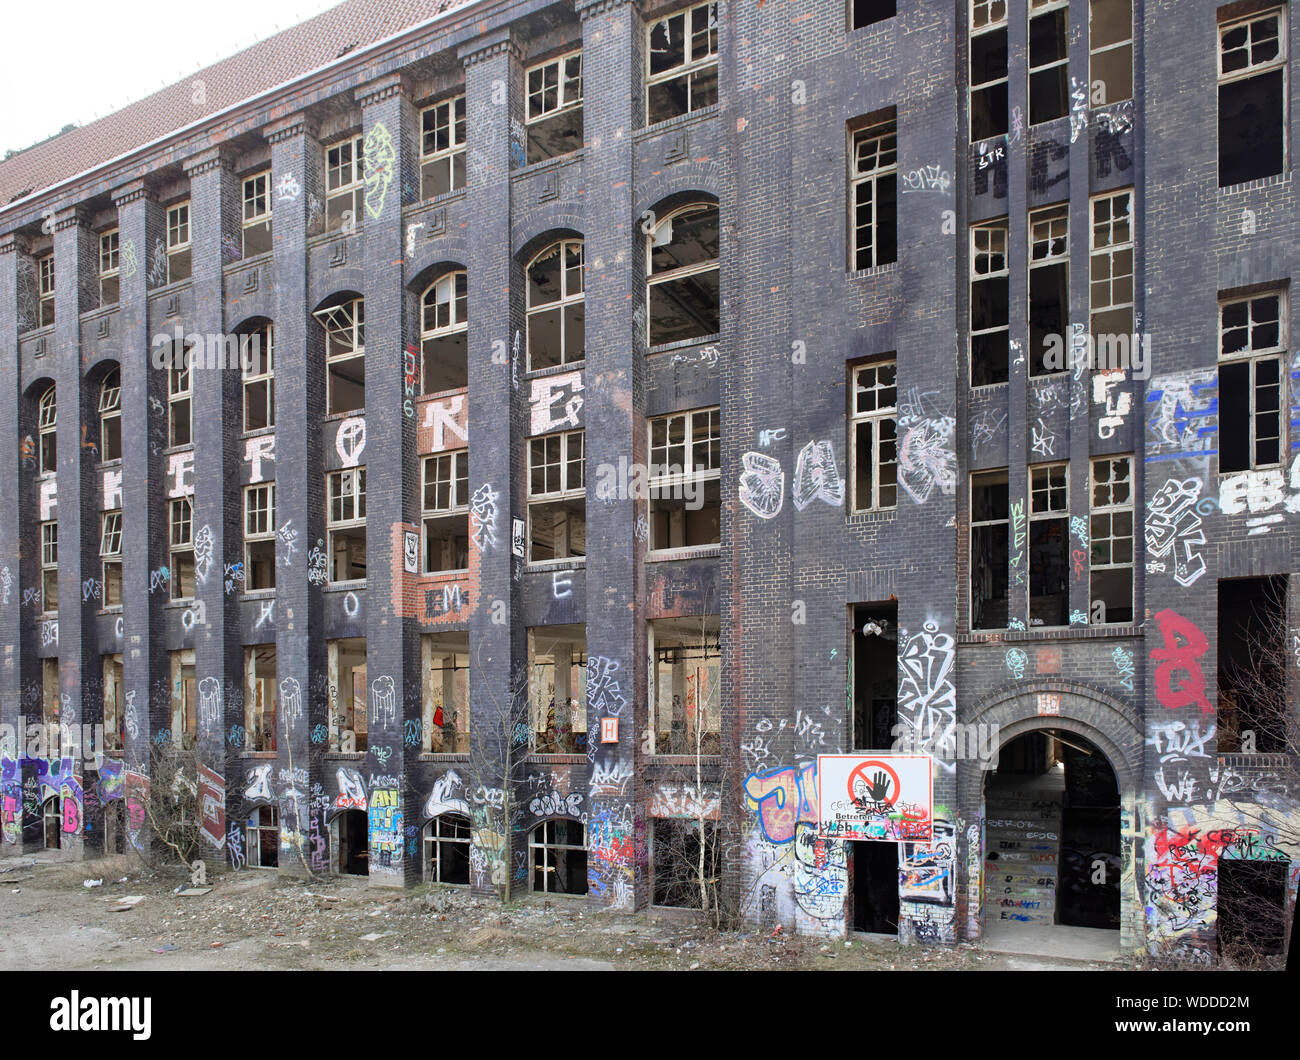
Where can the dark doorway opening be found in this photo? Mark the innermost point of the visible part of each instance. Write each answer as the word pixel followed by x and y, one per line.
pixel 875 676
pixel 1252 908
pixel 875 887
pixel 354 843
pixel 1253 705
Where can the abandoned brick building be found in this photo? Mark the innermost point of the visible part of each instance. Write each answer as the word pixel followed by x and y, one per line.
pixel 713 386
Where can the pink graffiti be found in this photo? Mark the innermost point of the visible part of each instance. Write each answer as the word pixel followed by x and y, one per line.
pixel 1184 645
pixel 71 815
pixel 784 798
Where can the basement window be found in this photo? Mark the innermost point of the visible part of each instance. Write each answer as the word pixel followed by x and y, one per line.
pixel 445 658
pixel 178 242
pixel 1110 50
pixel 442 147
pixel 1254 713
pixel 259 698
pixel 874 423
pixel 259 537
pixel 1110 288
pixel 1049 95
pixel 346 662
pixel 1049 286
pixel 869 12
pixel 264 838
pixel 110 417
pixel 677 849
pixel 988 69
pixel 686 685
pixel 682 52
pixel 1049 544
pixel 1252 97
pixel 556 306
pixel 685 464
pixel 989 550
pixel 989 305
pixel 557 689
pixel 557 497
pixel 45 280
pixel 109 269
pixel 1111 563
pixel 257 214
pixel 874 180
pixel 874 677
pixel 444 330
pixel 50 568
pixel 1252 906
pixel 345 356
pixel 110 554
pixel 344 185
pixel 557 851
pixel 446 512
pixel 554 122
pixel 446 849
pixel 181 524
pixel 682 275
pixel 346 524
pixel 1252 341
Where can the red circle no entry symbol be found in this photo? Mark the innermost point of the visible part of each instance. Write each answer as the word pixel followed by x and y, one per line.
pixel 879 783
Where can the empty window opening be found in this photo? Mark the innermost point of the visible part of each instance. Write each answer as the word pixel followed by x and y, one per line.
pixel 554 124
pixel 263 847
pixel 678 850
pixel 874 443
pixel 446 849
pixel 445 658
pixel 988 69
pixel 1049 96
pixel 1252 908
pixel 683 58
pixel 1111 562
pixel 556 306
pixel 682 275
pixel 1110 50
pixel 874 679
pixel 185 696
pixel 446 512
pixel 869 12
pixel 1252 342
pixel 687 685
pixel 260 698
pixel 345 355
pixel 989 545
pixel 684 493
pixel 1252 97
pixel 444 331
pixel 557 689
pixel 50 706
pixel 113 699
pixel 346 662
pixel 875 887
pixel 1253 704
pixel 1049 287
pixel 874 191
pixel 557 497
pixel 350 831
pixel 1049 544
pixel 442 147
pixel 990 304
pixel 558 854
pixel 346 524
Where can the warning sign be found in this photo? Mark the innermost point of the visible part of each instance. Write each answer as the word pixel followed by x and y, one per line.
pixel 887 797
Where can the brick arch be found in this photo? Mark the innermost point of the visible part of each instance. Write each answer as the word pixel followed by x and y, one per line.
pixel 449 250
pixel 544 225
pixel 678 184
pixel 433 270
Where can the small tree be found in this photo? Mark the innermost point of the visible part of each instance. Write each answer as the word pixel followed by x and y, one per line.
pixel 171 805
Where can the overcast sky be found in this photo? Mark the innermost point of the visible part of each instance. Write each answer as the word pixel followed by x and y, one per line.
pixel 75 60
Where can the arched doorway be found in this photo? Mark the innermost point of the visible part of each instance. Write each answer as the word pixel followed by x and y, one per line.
pixel 350 832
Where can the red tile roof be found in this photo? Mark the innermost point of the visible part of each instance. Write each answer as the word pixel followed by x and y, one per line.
pixel 292 52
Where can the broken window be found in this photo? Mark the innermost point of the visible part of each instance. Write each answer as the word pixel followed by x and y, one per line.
pixel 685 464
pixel 1049 545
pixel 445 658
pixel 109 267
pixel 110 554
pixel 869 12
pixel 1251 905
pixel 444 329
pixel 557 689
pixel 989 550
pixel 257 369
pixel 1049 84
pixel 874 444
pixel 678 850
pixel 1049 286
pixel 682 275
pixel 180 404
pixel 988 69
pixel 181 522
pixel 446 512
pixel 686 685
pixel 49 567
pixel 344 184
pixel 446 849
pixel 113 699
pixel 1110 290
pixel 874 182
pixel 556 306
pixel 110 417
pixel 346 662
pixel 1252 340
pixel 345 356
pixel 47 428
pixel 874 675
pixel 1252 97
pixel 558 854
pixel 1254 711
pixel 554 121
pixel 442 147
pixel 263 847
pixel 557 497
pixel 989 304
pixel 683 57
pixel 45 281
pixel 1111 563
pixel 185 697
pixel 259 698
pixel 259 537
pixel 257 214
pixel 346 524
pixel 1110 50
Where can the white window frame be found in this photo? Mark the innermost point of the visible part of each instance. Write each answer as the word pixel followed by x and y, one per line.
pixel 180 537
pixel 884 164
pixel 259 526
pixel 178 236
pixel 445 297
pixel 255 828
pixel 567 460
pixel 110 552
pixel 546 868
pixel 669 478
pixel 692 63
pixel 1043 7
pixel 564 80
pixel 45 288
pixel 256 206
pixel 1108 511
pixel 874 418
pixel 1276 353
pixel 249 377
pixel 110 408
pixel 49 563
pixel 995 231
pixel 47 419
pixel 434 837
pixel 109 262
pixel 655 279
pixel 1099 248
pixel 180 390
pixel 335 489
pixel 1051 494
pixel 346 318
pixel 457 504
pixel 976 524
pixel 1252 69
pixel 567 297
pixel 449 115
pixel 985 16
pixel 336 188
pixel 1049 244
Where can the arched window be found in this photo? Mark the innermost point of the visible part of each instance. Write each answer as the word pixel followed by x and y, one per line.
pixel 345 355
pixel 46 422
pixel 556 308
pixel 558 850
pixel 682 275
pixel 110 416
pixel 446 849
pixel 257 364
pixel 444 361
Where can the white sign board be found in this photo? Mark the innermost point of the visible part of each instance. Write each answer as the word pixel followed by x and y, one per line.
pixel 886 797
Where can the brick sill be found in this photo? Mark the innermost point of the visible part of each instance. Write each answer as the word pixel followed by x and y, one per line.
pixel 996 636
pixel 678 121
pixel 682 344
pixel 668 555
